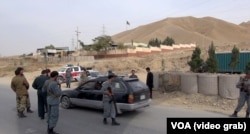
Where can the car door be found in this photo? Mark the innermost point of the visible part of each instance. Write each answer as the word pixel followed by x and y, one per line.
pixel 120 92
pixel 97 95
pixel 85 93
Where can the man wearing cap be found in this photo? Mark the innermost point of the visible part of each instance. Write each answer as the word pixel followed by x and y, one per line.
pixel 108 107
pixel 244 86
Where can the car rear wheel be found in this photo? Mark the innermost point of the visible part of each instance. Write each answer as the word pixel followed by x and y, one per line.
pixel 65 102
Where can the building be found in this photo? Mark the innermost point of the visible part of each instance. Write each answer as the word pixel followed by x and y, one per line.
pixel 57 51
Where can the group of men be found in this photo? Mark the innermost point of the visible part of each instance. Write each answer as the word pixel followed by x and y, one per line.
pixel 48 93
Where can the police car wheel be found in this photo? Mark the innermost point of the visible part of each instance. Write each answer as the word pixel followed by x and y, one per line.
pixel 65 102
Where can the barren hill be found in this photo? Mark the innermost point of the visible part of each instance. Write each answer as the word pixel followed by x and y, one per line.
pixel 246 24
pixel 190 30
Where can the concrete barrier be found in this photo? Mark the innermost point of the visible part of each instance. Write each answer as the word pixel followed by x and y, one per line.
pixel 189 83
pixel 208 84
pixel 156 80
pixel 169 81
pixel 227 86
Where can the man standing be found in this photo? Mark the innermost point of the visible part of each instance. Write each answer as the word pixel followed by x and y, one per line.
pixel 20 86
pixel 150 81
pixel 83 77
pixel 133 74
pixel 41 96
pixel 68 77
pixel 108 106
pixel 45 92
pixel 53 94
pixel 243 85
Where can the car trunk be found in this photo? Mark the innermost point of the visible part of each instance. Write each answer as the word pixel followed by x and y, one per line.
pixel 139 91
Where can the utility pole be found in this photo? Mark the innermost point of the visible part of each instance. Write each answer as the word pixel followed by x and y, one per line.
pixel 77 34
pixel 73 47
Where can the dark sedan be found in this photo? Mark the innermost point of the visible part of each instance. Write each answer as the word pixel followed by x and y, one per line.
pixel 130 94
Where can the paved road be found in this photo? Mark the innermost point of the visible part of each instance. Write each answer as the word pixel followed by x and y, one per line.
pixel 151 120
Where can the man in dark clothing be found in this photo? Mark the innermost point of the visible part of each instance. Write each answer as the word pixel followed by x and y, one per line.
pixel 150 81
pixel 41 96
pixel 68 77
pixel 45 93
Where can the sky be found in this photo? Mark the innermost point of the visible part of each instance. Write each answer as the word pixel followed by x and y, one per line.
pixel 26 25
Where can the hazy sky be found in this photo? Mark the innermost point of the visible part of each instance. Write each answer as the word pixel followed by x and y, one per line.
pixel 26 25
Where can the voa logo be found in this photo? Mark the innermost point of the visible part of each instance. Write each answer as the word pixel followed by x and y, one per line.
pixel 181 125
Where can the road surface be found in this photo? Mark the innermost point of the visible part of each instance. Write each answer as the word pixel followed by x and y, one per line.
pixel 150 120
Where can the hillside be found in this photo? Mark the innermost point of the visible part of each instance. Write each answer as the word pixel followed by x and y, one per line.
pixel 246 24
pixel 190 30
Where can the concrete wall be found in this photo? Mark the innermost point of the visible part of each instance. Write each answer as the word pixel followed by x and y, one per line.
pixel 67 59
pixel 139 51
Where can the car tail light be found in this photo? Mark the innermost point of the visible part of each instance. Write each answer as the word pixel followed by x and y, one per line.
pixel 131 98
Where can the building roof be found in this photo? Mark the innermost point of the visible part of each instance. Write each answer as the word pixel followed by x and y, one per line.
pixel 57 48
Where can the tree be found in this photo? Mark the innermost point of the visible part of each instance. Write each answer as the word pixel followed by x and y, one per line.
pixel 50 47
pixel 248 66
pixel 81 44
pixel 168 41
pixel 196 61
pixel 102 43
pixel 212 63
pixel 235 59
pixel 121 46
pixel 154 42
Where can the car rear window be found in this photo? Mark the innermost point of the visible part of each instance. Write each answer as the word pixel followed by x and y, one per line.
pixel 118 87
pixel 137 85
